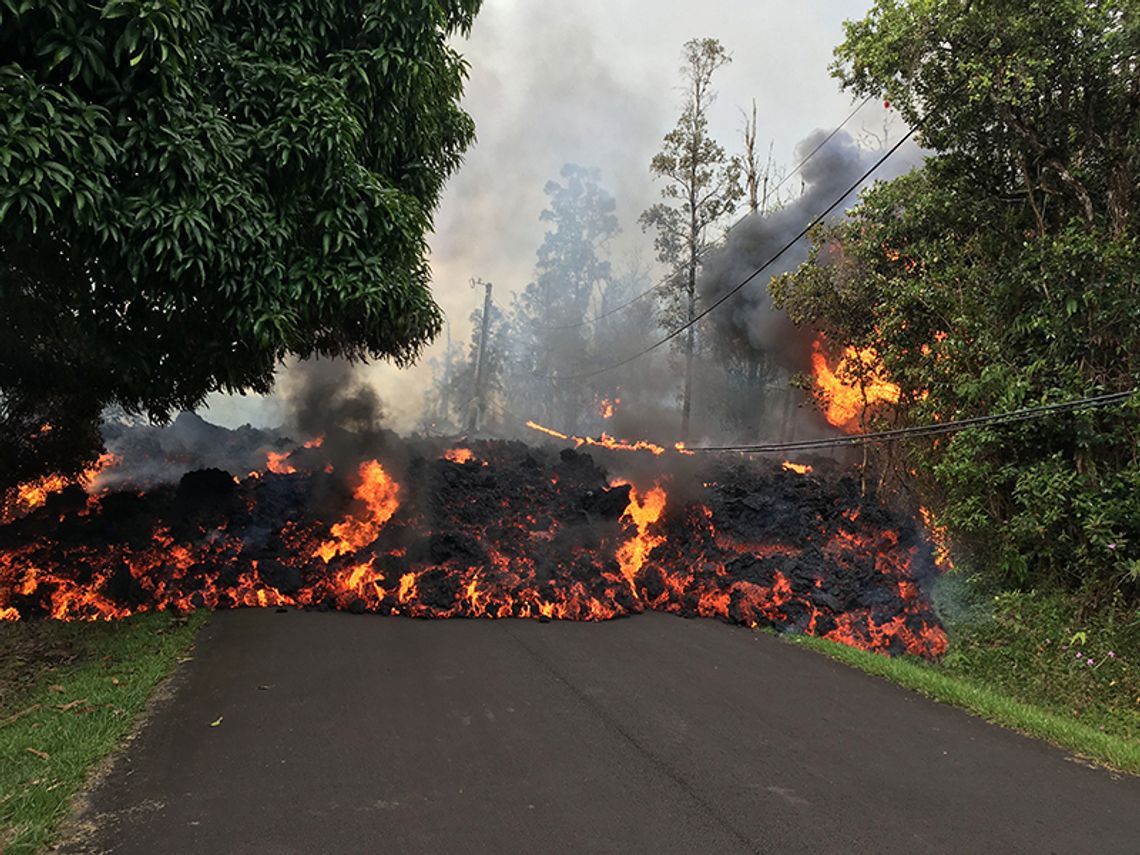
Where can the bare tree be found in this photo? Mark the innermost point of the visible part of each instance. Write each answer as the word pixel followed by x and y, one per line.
pixel 702 186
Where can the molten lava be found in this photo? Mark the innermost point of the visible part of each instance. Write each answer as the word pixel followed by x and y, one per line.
pixel 276 462
pixel 846 400
pixel 530 534
pixel 798 468
pixel 459 455
pixel 33 494
pixel 378 493
pixel 642 512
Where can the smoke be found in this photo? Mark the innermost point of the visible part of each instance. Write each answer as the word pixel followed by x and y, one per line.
pixel 749 318
pixel 325 399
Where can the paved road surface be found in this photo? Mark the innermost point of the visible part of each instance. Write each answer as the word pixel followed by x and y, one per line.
pixel 653 734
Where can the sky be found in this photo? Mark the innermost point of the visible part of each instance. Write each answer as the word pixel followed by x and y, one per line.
pixel 595 82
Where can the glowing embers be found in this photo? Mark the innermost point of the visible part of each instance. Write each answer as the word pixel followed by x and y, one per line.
pixel 379 495
pixel 856 383
pixel 798 468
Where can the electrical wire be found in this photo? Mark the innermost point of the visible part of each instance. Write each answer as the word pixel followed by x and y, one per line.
pixel 670 277
pixel 1026 414
pixel 736 289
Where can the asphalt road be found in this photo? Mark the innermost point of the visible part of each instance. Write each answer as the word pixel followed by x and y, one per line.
pixel 655 734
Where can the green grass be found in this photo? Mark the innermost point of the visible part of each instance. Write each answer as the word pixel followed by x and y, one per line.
pixel 69 694
pixel 1013 661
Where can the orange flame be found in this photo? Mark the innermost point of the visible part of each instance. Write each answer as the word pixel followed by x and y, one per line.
pixel 459 455
pixel 276 462
pixel 379 494
pixel 607 409
pixel 603 441
pixel 33 494
pixel 642 512
pixel 846 402
pixel 798 468
pixel 940 537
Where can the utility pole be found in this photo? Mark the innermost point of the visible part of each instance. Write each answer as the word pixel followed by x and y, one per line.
pixel 445 397
pixel 477 397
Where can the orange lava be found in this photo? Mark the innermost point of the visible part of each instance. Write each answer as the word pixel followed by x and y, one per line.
pixel 607 409
pixel 643 511
pixel 276 462
pixel 30 495
pixel 798 468
pixel 459 455
pixel 379 494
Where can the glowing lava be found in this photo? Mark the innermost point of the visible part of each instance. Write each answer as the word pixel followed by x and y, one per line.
pixel 459 455
pixel 798 468
pixel 379 494
pixel 642 512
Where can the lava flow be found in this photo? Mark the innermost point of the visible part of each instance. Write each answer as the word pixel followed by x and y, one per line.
pixel 500 531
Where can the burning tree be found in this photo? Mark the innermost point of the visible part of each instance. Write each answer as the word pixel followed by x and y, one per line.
pixel 189 192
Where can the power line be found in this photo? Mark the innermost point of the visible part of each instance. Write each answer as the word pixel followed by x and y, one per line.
pixel 821 144
pixel 735 290
pixel 914 432
pixel 666 279
pixel 935 429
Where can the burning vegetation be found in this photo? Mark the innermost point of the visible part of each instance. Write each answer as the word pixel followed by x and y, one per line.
pixel 494 531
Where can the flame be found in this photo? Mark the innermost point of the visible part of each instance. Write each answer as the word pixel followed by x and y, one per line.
pixel 940 537
pixel 846 402
pixel 607 409
pixel 603 441
pixel 642 512
pixel 276 462
pixel 30 495
pixel 378 493
pixel 798 468
pixel 548 431
pixel 459 455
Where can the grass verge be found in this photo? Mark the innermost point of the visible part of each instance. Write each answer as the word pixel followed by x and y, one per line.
pixel 1031 663
pixel 69 694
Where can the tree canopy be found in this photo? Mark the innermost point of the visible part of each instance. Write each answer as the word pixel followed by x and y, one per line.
pixel 190 190
pixel 1004 273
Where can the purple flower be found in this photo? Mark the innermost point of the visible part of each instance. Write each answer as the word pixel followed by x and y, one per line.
pixel 1112 546
pixel 1111 655
pixel 1064 647
pixel 1080 655
pixel 1092 662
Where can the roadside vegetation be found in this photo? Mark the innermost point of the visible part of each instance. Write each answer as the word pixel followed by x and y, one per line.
pixel 70 693
pixel 1004 273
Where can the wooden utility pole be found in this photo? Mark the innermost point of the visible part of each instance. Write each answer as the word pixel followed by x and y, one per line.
pixel 445 396
pixel 477 397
